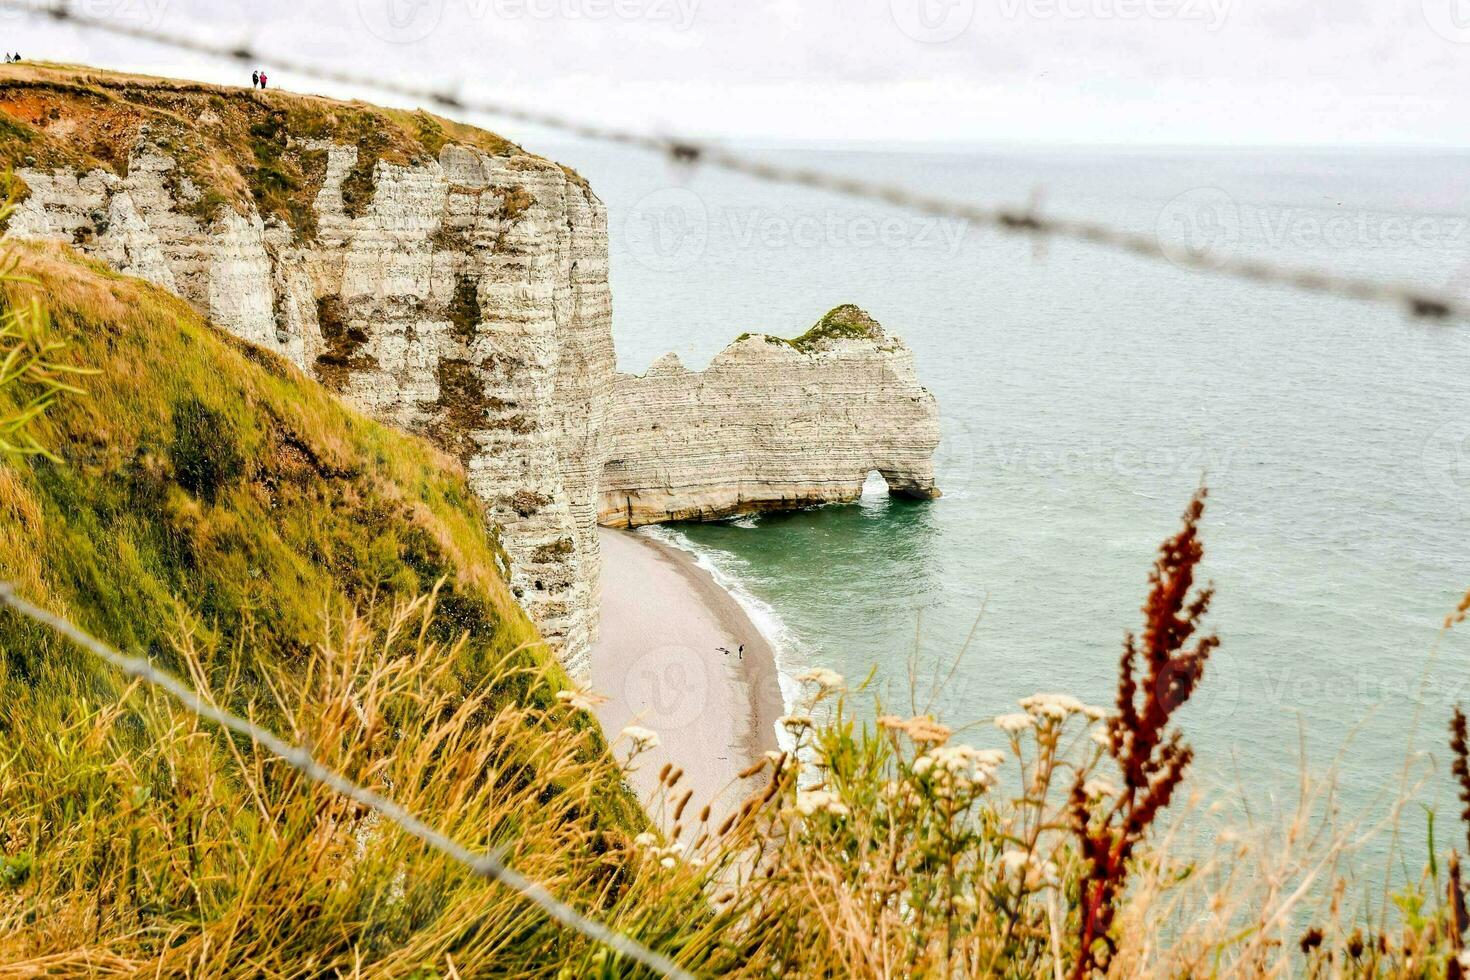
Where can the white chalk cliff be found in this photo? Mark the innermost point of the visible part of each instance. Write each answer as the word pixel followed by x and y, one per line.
pixel 771 424
pixel 464 296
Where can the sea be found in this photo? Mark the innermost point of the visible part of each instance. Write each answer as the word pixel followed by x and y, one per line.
pixel 1085 395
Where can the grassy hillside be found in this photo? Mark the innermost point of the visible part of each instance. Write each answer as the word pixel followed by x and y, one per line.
pixel 205 479
pixel 234 146
pixel 211 507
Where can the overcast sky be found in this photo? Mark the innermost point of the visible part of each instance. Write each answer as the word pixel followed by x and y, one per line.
pixel 1083 71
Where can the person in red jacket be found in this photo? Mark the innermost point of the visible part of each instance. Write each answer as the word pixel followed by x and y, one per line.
pixel 262 80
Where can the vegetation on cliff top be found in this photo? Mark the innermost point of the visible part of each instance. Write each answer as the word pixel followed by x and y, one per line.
pixel 845 322
pixel 233 146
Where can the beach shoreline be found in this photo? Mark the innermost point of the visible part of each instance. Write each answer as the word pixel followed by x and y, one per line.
pixel 659 662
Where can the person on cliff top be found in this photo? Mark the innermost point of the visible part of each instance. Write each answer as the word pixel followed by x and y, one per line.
pixel 254 79
pixel 262 81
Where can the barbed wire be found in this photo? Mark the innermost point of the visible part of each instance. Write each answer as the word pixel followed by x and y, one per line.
pixel 1418 302
pixel 487 865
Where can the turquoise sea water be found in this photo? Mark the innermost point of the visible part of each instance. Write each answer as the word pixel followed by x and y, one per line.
pixel 1085 394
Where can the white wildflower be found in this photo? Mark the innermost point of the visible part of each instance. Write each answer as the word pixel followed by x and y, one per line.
pixel 1094 713
pixel 796 723
pixel 819 801
pixel 1101 737
pixel 923 764
pixel 645 839
pixel 1016 722
pixel 1036 869
pixel 581 700
pixel 668 862
pixel 827 680
pixel 1054 706
pixel 1015 860
pixel 920 728
pixel 642 738
pixel 959 758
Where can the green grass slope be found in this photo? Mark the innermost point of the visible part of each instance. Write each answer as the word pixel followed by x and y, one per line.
pixel 207 482
pixel 214 509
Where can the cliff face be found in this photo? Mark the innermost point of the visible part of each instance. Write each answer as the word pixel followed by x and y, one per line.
pixel 446 281
pixel 455 289
pixel 770 424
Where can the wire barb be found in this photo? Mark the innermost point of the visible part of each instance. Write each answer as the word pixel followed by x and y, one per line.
pixel 1415 301
pixel 482 864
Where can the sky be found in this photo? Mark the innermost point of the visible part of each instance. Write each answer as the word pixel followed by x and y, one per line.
pixel 1146 72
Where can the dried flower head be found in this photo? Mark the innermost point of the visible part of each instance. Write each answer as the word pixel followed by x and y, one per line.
pixel 921 728
pixel 1017 721
pixel 1461 611
pixel 580 700
pixel 1055 707
pixel 809 802
pixel 827 680
pixel 642 738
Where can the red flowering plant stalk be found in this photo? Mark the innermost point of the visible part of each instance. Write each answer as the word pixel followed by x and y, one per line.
pixel 1460 749
pixel 1151 756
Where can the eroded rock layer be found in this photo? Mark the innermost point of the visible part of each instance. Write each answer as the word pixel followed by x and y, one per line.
pixel 771 424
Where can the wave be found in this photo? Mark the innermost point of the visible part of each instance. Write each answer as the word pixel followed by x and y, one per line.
pixel 789 651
